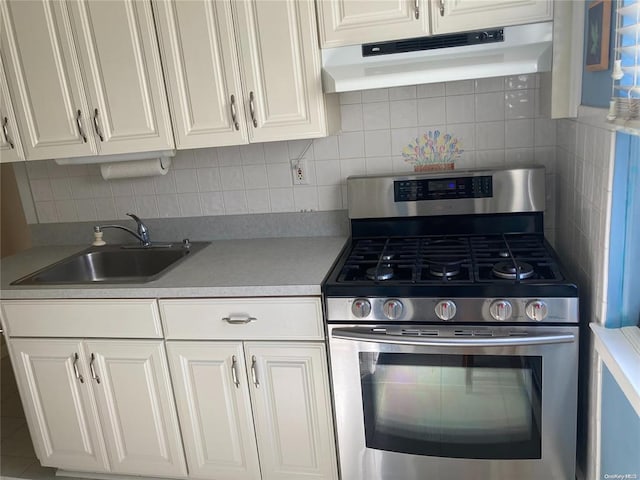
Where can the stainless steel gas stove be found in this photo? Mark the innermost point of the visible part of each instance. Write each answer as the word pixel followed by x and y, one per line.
pixel 453 331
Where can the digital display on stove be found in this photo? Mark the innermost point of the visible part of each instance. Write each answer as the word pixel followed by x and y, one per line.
pixel 443 188
pixel 441 185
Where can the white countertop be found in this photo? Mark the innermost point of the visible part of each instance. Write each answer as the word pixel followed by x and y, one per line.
pixel 228 268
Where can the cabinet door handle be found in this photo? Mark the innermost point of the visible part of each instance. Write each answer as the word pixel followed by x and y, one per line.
pixel 93 370
pixel 254 373
pixel 96 127
pixel 442 8
pixel 5 132
pixel 236 125
pixel 416 9
pixel 238 320
pixel 79 124
pixel 252 110
pixel 234 372
pixel 75 368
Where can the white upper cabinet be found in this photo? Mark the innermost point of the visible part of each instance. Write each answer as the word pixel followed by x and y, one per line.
pixel 44 78
pixel 280 60
pixel 351 22
pixel 10 144
pixel 200 59
pixel 85 77
pixel 241 71
pixel 347 22
pixel 118 50
pixel 449 16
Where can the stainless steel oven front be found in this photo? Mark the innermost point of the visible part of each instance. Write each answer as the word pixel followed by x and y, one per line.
pixel 473 402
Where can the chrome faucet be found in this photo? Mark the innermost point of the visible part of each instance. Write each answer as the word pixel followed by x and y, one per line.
pixel 142 233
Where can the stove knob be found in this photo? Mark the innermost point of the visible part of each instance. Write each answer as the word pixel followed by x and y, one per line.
pixel 361 307
pixel 445 310
pixel 537 310
pixel 501 310
pixel 393 309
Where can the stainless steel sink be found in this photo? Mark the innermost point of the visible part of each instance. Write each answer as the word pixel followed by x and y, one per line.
pixel 113 264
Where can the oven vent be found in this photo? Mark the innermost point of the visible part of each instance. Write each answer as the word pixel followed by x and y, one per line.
pixel 483 333
pixel 431 43
pixel 518 334
pixel 414 332
pixel 463 333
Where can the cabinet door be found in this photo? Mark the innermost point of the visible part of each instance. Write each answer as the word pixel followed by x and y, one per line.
pixel 200 59
pixel 458 15
pixel 130 380
pixel 291 408
pixel 37 47
pixel 118 49
pixel 351 22
pixel 10 145
pixel 59 406
pixel 212 395
pixel 280 61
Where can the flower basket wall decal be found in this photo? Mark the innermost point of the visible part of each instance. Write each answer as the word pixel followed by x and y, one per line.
pixel 433 151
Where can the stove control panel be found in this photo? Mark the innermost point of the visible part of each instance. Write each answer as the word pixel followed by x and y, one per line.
pixel 452 310
pixel 443 188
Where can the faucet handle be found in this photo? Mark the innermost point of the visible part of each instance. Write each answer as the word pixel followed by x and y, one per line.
pixel 143 231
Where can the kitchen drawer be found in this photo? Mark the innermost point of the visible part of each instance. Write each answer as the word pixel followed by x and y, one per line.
pixel 122 318
pixel 298 318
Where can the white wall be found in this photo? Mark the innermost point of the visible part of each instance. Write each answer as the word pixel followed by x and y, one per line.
pixel 494 118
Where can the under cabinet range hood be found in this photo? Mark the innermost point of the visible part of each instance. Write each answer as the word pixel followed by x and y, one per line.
pixel 490 53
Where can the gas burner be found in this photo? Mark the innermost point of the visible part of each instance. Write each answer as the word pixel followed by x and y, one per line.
pixel 444 270
pixel 380 273
pixel 508 271
pixel 445 267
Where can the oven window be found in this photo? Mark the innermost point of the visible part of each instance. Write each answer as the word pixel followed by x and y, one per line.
pixel 461 406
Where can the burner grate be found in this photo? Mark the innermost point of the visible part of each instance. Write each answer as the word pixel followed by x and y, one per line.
pixel 448 259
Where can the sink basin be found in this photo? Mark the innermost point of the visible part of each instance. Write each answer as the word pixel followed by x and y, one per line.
pixel 113 264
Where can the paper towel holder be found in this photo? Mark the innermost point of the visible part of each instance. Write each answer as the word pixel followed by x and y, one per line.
pixel 120 157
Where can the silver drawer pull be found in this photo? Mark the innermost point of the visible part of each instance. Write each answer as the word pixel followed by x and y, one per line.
pixel 93 371
pixel 5 132
pixel 238 320
pixel 96 127
pixel 234 120
pixel 254 373
pixel 75 368
pixel 79 125
pixel 234 373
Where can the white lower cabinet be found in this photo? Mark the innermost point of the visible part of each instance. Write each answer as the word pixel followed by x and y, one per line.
pixel 253 409
pixel 59 402
pixel 94 381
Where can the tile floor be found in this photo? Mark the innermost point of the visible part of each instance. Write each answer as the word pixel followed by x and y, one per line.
pixel 17 458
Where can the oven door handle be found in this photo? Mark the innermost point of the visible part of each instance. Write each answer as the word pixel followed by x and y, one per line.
pixel 506 341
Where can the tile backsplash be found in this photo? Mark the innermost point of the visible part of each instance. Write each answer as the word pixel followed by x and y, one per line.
pixel 495 119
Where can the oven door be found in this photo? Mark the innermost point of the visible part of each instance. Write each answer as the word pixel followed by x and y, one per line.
pixel 485 403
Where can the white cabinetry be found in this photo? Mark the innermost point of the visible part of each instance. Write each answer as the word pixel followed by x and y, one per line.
pixel 449 16
pixel 241 71
pixel 350 22
pixel 96 405
pixel 253 407
pixel 85 77
pixel 347 22
pixel 10 144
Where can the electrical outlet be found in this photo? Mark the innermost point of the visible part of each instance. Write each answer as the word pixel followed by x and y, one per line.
pixel 300 172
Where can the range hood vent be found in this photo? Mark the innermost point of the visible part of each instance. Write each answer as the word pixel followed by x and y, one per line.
pixel 499 52
pixel 431 43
